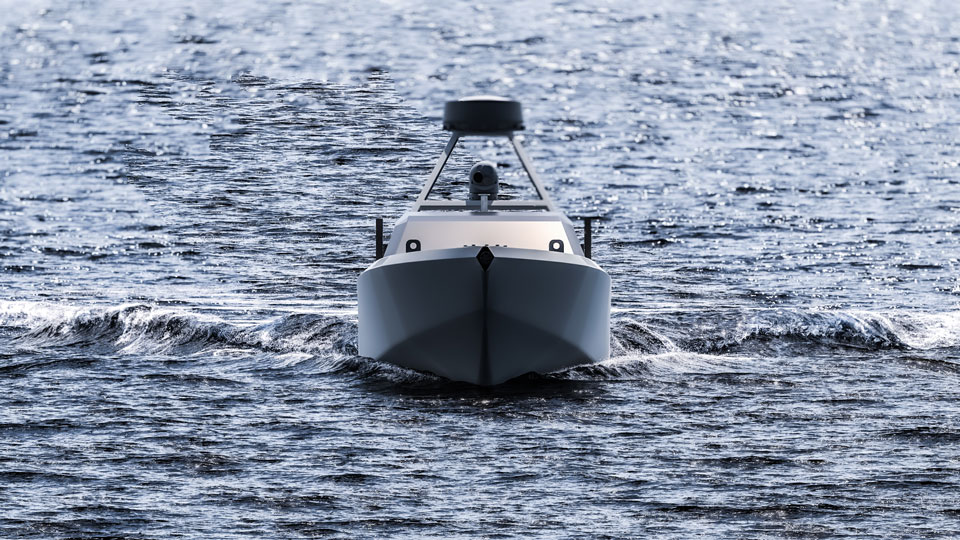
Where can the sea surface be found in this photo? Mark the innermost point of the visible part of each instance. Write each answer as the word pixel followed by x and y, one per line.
pixel 187 197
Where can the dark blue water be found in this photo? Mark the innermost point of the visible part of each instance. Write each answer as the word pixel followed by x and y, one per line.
pixel 187 196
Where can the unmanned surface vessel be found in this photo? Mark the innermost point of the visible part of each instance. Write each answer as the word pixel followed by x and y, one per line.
pixel 484 290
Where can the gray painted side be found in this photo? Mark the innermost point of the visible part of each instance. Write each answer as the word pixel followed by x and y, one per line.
pixel 439 311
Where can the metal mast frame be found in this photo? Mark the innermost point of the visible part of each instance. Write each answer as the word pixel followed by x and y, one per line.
pixel 543 203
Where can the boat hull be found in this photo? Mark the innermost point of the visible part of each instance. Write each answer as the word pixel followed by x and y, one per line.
pixel 446 312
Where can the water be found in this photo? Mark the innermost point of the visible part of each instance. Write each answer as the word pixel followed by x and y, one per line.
pixel 187 195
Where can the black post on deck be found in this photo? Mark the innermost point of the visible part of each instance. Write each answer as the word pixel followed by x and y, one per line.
pixel 379 238
pixel 588 237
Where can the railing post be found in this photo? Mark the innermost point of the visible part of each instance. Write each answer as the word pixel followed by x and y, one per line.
pixel 588 237
pixel 379 238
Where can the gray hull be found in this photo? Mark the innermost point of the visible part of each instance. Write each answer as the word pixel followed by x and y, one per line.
pixel 441 311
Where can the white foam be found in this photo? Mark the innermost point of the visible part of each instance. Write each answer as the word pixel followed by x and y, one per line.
pixel 929 330
pixel 24 314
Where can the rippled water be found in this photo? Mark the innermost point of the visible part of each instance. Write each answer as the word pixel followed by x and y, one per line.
pixel 187 195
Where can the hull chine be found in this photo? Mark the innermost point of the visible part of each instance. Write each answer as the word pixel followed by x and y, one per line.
pixel 447 313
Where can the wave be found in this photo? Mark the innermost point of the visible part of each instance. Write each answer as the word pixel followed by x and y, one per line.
pixel 328 343
pixel 141 329
pixel 648 350
pixel 844 329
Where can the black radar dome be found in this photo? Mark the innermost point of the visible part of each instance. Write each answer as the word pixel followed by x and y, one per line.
pixel 482 114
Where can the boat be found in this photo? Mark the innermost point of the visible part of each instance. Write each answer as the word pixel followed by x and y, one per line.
pixel 484 289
